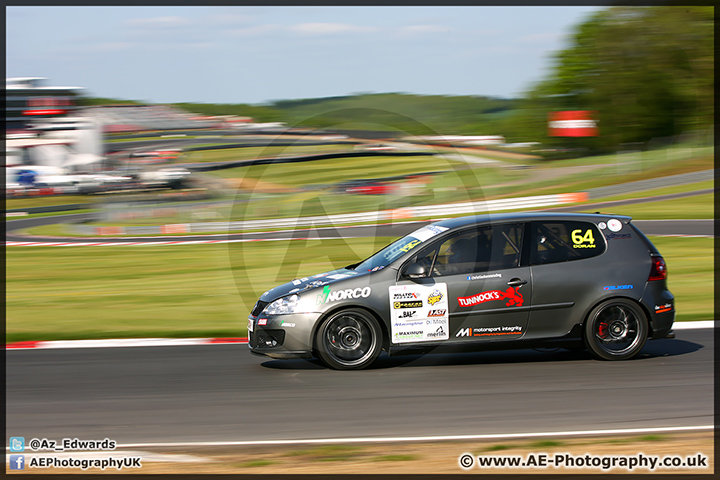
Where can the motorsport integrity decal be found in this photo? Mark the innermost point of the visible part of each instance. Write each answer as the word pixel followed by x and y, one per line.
pixel 512 296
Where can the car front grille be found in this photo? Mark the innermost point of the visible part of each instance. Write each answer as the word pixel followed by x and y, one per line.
pixel 267 338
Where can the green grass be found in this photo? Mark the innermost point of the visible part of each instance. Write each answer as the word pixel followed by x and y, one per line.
pixel 328 453
pixel 57 293
pixel 695 207
pixel 256 463
pixel 247 153
pixel 684 188
pixel 208 290
pixel 691 275
pixel 394 458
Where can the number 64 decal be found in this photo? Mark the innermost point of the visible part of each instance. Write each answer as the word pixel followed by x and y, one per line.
pixel 581 240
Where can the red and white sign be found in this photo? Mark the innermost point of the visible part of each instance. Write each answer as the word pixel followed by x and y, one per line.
pixel 572 123
pixel 512 296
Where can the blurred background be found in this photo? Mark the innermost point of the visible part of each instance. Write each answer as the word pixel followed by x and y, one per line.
pixel 263 118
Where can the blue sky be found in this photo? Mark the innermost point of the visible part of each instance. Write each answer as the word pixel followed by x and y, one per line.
pixel 259 54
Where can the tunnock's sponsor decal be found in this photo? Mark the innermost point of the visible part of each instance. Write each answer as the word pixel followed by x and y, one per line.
pixel 329 295
pixel 513 297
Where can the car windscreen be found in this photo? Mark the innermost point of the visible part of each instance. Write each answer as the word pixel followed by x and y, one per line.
pixel 397 249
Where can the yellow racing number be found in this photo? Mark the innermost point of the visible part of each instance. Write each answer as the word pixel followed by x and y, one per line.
pixel 578 238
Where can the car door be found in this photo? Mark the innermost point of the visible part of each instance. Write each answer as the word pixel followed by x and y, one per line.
pixel 477 271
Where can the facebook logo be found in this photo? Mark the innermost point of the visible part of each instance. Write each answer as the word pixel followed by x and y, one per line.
pixel 17 462
pixel 17 444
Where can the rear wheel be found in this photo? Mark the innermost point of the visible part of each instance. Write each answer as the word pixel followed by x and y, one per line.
pixel 616 329
pixel 349 339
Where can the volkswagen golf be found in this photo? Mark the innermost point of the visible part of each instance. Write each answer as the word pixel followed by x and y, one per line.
pixel 592 281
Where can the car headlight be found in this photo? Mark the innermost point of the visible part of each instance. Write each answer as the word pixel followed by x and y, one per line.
pixel 282 306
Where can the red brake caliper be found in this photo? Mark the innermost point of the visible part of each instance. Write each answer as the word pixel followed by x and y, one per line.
pixel 602 329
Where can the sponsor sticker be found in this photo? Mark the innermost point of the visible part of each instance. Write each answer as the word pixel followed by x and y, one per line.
pixel 428 232
pixel 416 304
pixel 484 276
pixel 512 296
pixel 329 295
pixel 501 330
pixel 435 297
pixel 602 225
pixel 618 236
pixel 614 225
pixel 262 321
pixel 663 308
pixel 618 287
pixel 412 319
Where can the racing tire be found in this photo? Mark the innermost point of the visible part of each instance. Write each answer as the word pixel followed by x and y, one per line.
pixel 349 339
pixel 616 329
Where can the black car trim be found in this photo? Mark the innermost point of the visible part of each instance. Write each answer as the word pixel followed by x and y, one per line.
pixel 545 306
pixel 549 306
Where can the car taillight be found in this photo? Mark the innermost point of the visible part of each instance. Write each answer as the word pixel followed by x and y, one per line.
pixel 659 269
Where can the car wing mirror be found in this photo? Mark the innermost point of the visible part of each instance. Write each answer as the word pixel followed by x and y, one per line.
pixel 414 270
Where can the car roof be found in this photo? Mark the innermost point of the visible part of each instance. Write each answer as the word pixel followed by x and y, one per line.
pixel 533 216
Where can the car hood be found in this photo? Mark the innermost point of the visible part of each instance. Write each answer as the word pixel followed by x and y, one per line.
pixel 300 285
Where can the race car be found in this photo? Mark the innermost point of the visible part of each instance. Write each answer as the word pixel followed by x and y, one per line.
pixel 478 282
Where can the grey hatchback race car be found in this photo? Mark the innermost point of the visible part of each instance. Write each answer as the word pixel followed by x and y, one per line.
pixel 480 282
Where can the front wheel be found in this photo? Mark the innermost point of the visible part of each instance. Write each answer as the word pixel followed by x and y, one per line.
pixel 616 329
pixel 349 340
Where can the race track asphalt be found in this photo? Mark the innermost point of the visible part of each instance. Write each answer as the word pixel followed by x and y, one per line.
pixel 222 393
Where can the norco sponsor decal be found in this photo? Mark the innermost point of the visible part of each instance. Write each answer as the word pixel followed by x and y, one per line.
pixel 329 295
pixel 663 308
pixel 489 331
pixel 483 277
pixel 618 287
pixel 437 313
pixel 513 297
pixel 434 297
pixel 583 240
pixel 417 304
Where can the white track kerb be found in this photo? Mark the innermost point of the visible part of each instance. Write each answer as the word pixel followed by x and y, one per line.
pixel 175 342
pixel 434 438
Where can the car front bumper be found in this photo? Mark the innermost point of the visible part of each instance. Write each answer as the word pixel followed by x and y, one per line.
pixel 282 336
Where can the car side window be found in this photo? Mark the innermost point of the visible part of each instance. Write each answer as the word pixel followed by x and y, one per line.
pixel 479 250
pixel 562 241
